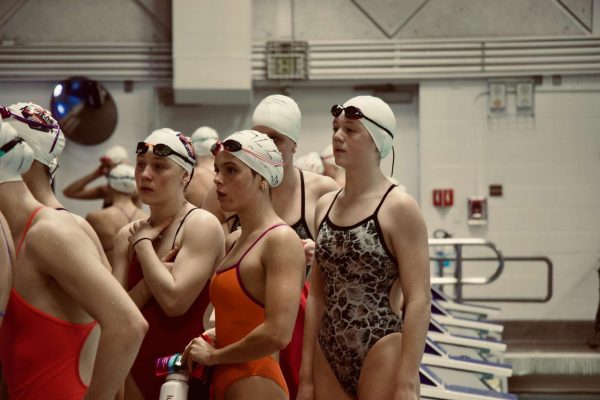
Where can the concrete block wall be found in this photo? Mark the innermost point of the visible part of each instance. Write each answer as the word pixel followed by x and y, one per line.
pixel 549 166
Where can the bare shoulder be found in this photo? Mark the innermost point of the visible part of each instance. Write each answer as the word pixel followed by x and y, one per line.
pixel 283 234
pixel 401 210
pixel 319 184
pixel 99 216
pixel 203 221
pixel 56 230
pixel 284 238
pixel 325 200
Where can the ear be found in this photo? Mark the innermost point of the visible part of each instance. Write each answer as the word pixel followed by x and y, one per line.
pixel 294 148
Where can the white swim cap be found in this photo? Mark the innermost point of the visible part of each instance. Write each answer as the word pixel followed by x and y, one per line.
pixel 40 130
pixel 14 161
pixel 310 162
pixel 259 153
pixel 122 179
pixel 116 155
pixel 280 113
pixel 327 155
pixel 178 143
pixel 203 138
pixel 377 110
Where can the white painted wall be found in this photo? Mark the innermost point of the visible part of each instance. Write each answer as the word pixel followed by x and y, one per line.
pixel 142 111
pixel 549 166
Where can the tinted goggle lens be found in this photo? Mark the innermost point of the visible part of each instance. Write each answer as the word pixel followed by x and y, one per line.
pixel 350 112
pixel 230 146
pixel 159 149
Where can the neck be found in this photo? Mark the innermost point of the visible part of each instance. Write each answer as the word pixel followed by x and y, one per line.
pixel 16 203
pixel 172 207
pixel 38 183
pixel 257 215
pixel 291 176
pixel 362 179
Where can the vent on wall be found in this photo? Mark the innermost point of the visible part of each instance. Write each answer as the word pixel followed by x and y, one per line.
pixel 212 48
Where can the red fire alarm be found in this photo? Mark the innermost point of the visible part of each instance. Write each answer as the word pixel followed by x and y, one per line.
pixel 448 197
pixel 443 197
pixel 437 198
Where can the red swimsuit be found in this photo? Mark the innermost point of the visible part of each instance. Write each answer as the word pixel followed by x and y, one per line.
pixel 39 352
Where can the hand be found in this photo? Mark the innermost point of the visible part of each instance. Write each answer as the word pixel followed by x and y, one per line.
pixel 309 250
pixel 169 258
pixel 211 334
pixel 198 351
pixel 142 229
pixel 98 172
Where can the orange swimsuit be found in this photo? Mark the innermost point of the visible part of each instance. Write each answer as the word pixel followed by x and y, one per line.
pixel 237 314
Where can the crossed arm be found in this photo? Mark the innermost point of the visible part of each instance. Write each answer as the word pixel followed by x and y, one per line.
pixel 80 273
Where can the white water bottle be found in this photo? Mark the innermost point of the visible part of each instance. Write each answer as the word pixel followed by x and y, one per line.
pixel 175 387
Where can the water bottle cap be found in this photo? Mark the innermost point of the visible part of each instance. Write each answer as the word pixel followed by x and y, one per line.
pixel 178 376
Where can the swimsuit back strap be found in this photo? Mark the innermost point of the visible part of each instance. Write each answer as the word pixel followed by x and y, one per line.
pixel 27 226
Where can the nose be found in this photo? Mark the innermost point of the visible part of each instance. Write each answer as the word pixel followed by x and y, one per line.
pixel 146 173
pixel 338 135
pixel 217 179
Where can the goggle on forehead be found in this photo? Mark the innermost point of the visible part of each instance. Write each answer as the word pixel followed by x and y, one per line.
pixel 233 146
pixel 6 113
pixel 161 150
pixel 354 113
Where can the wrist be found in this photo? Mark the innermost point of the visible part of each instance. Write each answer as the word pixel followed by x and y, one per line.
pixel 213 357
pixel 140 240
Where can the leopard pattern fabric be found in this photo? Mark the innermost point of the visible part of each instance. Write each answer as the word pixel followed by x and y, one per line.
pixel 358 274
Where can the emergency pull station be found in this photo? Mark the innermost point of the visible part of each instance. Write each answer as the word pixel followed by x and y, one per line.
pixel 477 211
pixel 443 197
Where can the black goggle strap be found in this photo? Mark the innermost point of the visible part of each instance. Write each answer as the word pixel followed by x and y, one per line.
pixel 8 146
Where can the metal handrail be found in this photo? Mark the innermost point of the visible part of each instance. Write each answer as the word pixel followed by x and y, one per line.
pixel 458 280
pixel 549 282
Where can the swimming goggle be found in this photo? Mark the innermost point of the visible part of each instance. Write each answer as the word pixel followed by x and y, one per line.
pixel 161 150
pixel 233 146
pixel 354 113
pixel 35 125
pixel 8 146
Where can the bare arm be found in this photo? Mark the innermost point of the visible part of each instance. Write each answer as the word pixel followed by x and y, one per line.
pixel 78 189
pixel 405 227
pixel 81 274
pixel 314 313
pixel 7 257
pixel 202 247
pixel 120 260
pixel 283 263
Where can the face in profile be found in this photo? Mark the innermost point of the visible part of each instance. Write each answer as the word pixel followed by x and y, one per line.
pixel 234 181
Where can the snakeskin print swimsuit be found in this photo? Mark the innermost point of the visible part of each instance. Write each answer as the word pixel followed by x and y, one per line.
pixel 358 273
